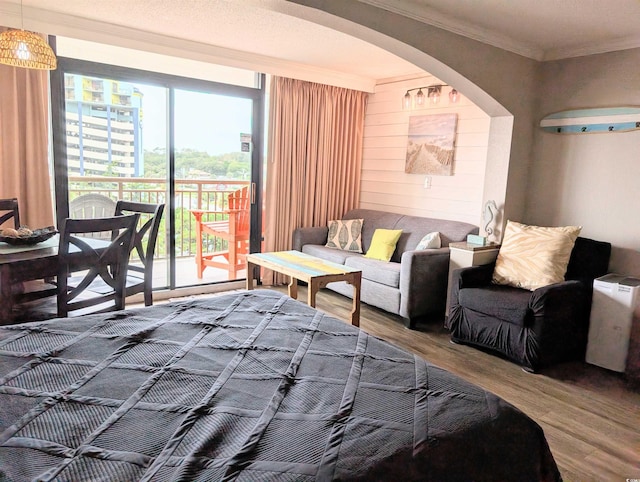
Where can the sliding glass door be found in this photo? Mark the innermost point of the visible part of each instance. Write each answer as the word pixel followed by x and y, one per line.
pixel 212 163
pixel 192 145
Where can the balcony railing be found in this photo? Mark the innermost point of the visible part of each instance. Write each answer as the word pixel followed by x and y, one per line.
pixel 209 194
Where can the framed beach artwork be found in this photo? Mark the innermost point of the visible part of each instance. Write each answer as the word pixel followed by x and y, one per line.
pixel 430 144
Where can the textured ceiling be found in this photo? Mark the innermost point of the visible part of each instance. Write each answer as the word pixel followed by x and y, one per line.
pixel 540 29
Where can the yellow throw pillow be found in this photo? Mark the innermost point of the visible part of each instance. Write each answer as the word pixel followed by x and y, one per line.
pixel 533 256
pixel 383 244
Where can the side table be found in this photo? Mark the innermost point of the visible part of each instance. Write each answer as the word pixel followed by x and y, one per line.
pixel 463 255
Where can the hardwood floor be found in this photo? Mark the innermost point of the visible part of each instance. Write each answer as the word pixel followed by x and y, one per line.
pixel 591 418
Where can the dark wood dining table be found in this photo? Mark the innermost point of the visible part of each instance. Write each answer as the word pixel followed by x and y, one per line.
pixel 25 263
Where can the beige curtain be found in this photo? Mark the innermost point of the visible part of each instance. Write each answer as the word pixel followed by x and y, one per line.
pixel 314 158
pixel 24 140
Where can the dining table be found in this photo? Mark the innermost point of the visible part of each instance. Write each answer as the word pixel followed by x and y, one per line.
pixel 19 264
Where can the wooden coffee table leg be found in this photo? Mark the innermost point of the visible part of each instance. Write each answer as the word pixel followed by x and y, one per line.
pixel 293 288
pixel 250 274
pixel 312 291
pixel 355 306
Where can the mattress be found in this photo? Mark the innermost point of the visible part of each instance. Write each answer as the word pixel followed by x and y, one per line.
pixel 246 386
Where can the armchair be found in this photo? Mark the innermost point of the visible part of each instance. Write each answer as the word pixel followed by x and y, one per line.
pixel 532 328
pixel 233 231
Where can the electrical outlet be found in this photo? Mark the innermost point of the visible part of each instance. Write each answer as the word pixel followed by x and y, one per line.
pixel 427 182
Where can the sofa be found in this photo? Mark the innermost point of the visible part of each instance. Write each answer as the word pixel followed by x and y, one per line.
pixel 413 284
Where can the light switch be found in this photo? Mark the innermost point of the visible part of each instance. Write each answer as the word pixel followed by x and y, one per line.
pixel 427 182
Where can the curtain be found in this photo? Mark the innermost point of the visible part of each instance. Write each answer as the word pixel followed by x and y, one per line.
pixel 314 158
pixel 24 143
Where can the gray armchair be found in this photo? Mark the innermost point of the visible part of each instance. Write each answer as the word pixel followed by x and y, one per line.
pixel 532 328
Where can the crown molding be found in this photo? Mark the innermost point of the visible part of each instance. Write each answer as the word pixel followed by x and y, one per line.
pixel 592 49
pixel 434 18
pixel 54 23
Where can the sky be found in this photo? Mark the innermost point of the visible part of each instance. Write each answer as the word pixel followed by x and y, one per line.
pixel 204 122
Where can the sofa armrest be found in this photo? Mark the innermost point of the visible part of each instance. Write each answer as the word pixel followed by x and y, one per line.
pixel 311 235
pixel 423 282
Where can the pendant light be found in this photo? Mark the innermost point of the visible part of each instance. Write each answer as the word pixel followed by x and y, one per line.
pixel 21 48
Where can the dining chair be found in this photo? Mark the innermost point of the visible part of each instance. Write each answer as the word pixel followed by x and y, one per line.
pixel 11 208
pixel 140 275
pixel 107 265
pixel 84 263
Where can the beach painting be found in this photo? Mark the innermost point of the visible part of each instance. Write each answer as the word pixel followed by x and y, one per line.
pixel 430 144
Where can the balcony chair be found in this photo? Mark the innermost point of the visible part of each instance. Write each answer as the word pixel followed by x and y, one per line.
pixel 534 328
pixel 10 205
pixel 82 267
pixel 234 230
pixel 92 206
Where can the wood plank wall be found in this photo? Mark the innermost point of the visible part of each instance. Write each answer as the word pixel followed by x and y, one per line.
pixel 385 185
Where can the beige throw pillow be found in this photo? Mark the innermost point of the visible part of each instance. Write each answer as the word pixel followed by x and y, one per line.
pixel 345 234
pixel 533 256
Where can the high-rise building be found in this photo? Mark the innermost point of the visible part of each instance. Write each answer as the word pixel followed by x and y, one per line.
pixel 104 127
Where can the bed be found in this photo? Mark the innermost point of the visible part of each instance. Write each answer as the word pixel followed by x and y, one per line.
pixel 246 386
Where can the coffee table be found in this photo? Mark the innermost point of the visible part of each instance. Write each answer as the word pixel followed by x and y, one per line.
pixel 316 272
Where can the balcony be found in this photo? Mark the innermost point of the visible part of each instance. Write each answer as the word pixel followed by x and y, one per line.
pixel 209 194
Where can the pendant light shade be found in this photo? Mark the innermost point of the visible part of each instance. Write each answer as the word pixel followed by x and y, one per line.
pixel 21 48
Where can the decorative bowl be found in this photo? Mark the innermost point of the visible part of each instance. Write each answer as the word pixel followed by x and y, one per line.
pixel 37 236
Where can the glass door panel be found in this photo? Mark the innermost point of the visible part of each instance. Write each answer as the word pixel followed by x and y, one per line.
pixel 213 142
pixel 116 144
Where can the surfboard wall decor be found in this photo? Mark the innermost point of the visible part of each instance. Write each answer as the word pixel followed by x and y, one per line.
pixel 589 121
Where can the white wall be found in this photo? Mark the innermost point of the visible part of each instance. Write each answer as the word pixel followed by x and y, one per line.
pixel 501 83
pixel 592 180
pixel 387 187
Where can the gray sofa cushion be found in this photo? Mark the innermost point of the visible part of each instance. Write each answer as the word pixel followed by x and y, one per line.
pixel 334 255
pixel 375 294
pixel 372 221
pixel 375 270
pixel 416 228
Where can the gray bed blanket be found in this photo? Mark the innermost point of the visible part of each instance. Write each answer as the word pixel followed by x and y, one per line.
pixel 248 386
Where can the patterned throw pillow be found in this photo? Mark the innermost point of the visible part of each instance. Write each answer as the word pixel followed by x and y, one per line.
pixel 346 235
pixel 430 241
pixel 532 256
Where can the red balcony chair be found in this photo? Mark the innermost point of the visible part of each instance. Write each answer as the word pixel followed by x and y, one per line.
pixel 234 230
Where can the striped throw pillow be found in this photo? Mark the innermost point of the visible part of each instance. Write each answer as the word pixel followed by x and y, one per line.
pixel 533 256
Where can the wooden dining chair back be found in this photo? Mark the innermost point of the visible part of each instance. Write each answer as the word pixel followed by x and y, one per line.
pixel 233 230
pixel 104 264
pixel 8 210
pixel 140 272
